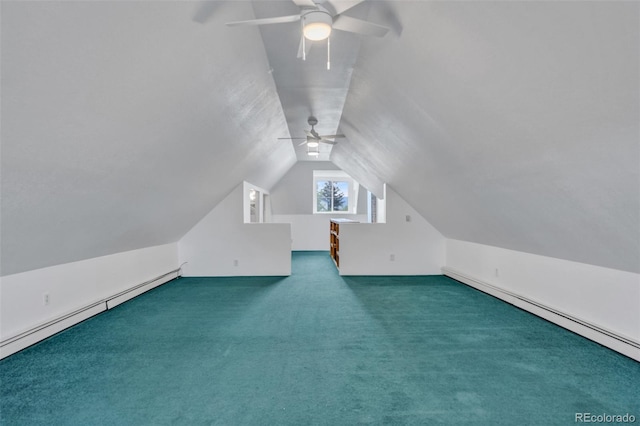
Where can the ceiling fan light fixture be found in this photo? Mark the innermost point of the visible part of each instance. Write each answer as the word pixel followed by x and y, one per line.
pixel 313 144
pixel 313 151
pixel 316 25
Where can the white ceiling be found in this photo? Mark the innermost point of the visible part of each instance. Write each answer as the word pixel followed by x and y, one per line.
pixel 124 123
pixel 514 124
pixel 305 87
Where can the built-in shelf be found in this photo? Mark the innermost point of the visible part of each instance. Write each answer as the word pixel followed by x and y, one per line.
pixel 334 238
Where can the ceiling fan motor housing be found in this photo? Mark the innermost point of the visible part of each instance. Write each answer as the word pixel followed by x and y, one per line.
pixel 316 25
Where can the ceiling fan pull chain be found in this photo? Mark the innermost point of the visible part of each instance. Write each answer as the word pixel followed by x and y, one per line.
pixel 304 48
pixel 328 53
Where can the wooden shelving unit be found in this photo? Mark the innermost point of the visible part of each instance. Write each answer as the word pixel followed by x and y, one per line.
pixel 334 241
pixel 334 238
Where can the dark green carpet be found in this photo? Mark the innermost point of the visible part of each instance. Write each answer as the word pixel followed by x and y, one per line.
pixel 315 348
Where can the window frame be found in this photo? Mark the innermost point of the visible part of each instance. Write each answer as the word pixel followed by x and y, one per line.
pixel 335 176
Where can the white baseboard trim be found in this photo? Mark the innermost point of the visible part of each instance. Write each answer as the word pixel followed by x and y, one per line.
pixel 123 296
pixel 611 339
pixel 35 334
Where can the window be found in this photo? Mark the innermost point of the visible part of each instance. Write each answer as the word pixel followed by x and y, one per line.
pixel 373 207
pixel 334 192
pixel 377 207
pixel 332 196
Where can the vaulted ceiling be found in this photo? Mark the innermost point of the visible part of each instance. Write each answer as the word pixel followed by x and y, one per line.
pixel 514 124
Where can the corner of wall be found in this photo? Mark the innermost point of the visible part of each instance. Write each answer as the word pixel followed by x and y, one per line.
pixel 221 244
pixel 406 244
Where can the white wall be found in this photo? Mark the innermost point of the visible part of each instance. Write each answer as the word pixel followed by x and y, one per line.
pixel 72 286
pixel 417 247
pixel 221 238
pixel 608 298
pixel 294 192
pixel 292 202
pixel 542 154
pixel 99 171
pixel 311 231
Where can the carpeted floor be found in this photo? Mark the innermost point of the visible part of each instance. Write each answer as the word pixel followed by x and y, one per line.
pixel 315 349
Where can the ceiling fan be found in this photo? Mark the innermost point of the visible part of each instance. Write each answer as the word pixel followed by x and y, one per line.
pixel 313 139
pixel 318 21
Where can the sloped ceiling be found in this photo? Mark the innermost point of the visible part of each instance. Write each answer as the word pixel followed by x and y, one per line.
pixel 306 88
pixel 124 123
pixel 512 124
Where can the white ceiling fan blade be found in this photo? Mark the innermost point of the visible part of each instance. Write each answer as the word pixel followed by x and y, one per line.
pixel 309 134
pixel 358 26
pixel 302 143
pixel 307 47
pixel 332 136
pixel 341 6
pixel 304 3
pixel 266 21
pixel 327 141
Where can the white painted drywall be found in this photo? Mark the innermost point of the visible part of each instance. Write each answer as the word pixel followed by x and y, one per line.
pixel 309 231
pixel 292 202
pixel 417 247
pixel 510 124
pixel 221 238
pixel 72 286
pixel 605 297
pixel 125 123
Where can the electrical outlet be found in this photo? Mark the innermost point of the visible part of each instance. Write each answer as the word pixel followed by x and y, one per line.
pixel 392 257
pixel 45 299
pixel 497 272
pixel 235 262
pixel 407 218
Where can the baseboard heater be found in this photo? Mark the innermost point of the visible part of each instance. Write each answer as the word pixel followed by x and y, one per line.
pixel 619 343
pixel 40 332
